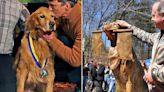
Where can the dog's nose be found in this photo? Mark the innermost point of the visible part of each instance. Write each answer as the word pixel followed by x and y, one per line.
pixel 51 26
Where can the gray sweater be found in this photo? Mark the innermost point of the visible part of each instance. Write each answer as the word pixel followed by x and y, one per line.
pixel 157 41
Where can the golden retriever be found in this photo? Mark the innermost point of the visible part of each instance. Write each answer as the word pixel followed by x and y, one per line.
pixel 31 77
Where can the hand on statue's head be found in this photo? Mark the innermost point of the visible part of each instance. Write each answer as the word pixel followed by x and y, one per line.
pixel 122 23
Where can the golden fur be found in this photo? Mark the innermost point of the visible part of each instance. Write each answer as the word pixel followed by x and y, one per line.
pixel 27 72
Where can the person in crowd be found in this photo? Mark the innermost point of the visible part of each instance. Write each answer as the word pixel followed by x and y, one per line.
pixel 106 78
pixel 85 75
pixel 99 78
pixel 111 82
pixel 92 76
pixel 90 65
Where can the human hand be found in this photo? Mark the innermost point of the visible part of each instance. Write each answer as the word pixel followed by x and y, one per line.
pixel 148 78
pixel 49 37
pixel 122 23
pixel 109 26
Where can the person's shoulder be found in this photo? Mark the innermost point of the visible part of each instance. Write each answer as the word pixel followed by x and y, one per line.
pixel 25 11
pixel 79 3
pixel 16 3
pixel 77 6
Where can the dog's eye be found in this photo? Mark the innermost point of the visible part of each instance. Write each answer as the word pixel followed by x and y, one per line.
pixel 42 16
pixel 52 16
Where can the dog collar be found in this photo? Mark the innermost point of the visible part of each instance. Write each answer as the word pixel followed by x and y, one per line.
pixel 43 72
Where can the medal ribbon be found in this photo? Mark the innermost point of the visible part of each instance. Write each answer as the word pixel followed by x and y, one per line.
pixel 34 56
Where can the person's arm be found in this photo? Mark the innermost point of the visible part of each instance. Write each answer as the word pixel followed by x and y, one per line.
pixel 71 55
pixel 141 34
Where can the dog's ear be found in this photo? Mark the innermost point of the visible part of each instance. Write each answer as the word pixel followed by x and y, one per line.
pixel 30 22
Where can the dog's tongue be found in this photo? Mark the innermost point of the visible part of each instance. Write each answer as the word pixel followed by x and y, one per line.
pixel 42 32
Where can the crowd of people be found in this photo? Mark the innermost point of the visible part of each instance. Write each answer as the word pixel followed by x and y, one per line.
pixel 98 78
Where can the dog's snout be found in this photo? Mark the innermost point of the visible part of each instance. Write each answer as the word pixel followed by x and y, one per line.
pixel 51 25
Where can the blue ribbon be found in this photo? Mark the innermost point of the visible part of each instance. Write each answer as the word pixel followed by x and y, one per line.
pixel 34 58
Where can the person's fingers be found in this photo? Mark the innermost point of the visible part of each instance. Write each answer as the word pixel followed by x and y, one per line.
pixel 53 34
pixel 145 78
pixel 119 21
pixel 150 82
pixel 115 23
pixel 44 36
pixel 47 37
pixel 50 36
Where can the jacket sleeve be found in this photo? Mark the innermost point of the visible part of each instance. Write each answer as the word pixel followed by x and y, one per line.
pixel 143 35
pixel 157 73
pixel 71 55
pixel 157 68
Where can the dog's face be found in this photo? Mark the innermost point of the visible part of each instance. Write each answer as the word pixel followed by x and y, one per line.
pixel 108 29
pixel 42 20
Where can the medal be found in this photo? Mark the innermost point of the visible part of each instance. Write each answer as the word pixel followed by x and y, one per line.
pixel 43 72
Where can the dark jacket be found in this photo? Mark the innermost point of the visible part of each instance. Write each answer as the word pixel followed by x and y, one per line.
pixel 100 73
pixel 93 73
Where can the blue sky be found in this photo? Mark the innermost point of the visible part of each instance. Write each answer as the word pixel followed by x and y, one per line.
pixel 107 41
